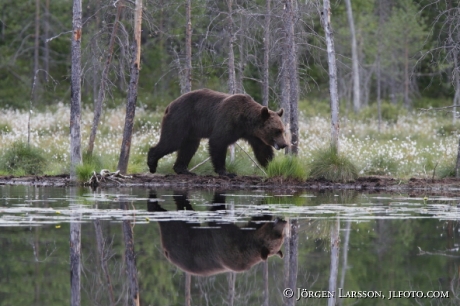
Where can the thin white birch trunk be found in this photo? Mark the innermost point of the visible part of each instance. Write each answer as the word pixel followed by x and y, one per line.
pixel 326 21
pixel 354 59
pixel 75 90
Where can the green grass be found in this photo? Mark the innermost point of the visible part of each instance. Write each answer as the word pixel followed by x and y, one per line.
pixel 408 144
pixel 287 167
pixel 382 165
pixel 23 159
pixel 330 165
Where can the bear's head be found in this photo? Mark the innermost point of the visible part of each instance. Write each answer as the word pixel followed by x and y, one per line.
pixel 272 131
pixel 271 238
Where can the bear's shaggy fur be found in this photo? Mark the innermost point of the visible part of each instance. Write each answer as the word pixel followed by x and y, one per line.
pixel 220 247
pixel 222 118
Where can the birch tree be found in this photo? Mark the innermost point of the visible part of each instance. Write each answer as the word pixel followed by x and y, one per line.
pixel 290 66
pixel 36 44
pixel 332 68
pixel 75 90
pixel 266 63
pixel 231 53
pixel 132 90
pixel 354 59
pixel 188 46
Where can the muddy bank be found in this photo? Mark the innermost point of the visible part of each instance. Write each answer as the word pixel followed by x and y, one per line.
pixel 369 183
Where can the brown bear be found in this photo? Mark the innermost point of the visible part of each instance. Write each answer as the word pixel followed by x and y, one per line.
pixel 218 248
pixel 223 118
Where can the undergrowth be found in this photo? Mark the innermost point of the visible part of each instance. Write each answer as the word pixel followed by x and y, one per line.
pixel 333 166
pixel 22 159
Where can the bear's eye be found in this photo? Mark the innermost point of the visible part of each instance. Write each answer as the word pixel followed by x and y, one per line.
pixel 278 131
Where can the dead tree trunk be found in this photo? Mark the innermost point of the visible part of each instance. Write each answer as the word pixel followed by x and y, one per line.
pixel 290 8
pixel 188 46
pixel 104 79
pixel 231 53
pixel 103 258
pixel 334 271
pixel 354 59
pixel 326 22
pixel 266 284
pixel 266 77
pixel 285 90
pixel 75 91
pixel 36 43
pixel 75 264
pixel 130 260
pixel 46 52
pixel 292 263
pixel 132 91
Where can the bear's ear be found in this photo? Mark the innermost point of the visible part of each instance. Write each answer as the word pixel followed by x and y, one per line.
pixel 280 112
pixel 265 114
pixel 264 253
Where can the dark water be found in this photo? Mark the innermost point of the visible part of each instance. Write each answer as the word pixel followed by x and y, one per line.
pixel 388 246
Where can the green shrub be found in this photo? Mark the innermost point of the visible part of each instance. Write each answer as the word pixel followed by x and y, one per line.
pixel 23 159
pixel 288 167
pixel 330 165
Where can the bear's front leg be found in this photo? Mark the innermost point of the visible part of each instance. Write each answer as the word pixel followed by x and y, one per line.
pixel 218 152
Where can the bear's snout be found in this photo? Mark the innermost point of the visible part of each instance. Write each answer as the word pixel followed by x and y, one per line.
pixel 279 146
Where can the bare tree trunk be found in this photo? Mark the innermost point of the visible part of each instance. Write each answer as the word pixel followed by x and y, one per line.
pixel 242 53
pixel 130 258
pixel 379 79
pixel 188 46
pixel 266 284
pixel 188 285
pixel 326 21
pixel 231 278
pixel 457 85
pixel 75 91
pixel 36 43
pixel 231 54
pixel 103 256
pixel 293 242
pixel 335 247
pixel 75 264
pixel 406 75
pixel 132 91
pixel 105 72
pixel 291 7
pixel 285 91
pixel 47 49
pixel 345 257
pixel 354 59
pixel 266 77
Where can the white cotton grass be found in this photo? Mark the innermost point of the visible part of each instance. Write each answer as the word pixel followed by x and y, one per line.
pixel 410 146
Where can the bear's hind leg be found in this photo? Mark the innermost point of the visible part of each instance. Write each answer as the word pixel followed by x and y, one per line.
pixel 187 149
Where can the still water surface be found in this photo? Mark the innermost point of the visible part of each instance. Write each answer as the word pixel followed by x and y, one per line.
pixel 341 247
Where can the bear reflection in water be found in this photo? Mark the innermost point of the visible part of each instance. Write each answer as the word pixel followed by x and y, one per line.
pixel 218 248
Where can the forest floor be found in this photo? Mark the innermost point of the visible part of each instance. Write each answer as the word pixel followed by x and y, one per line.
pixel 369 184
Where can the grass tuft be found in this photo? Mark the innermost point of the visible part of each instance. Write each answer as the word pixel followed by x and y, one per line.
pixel 330 165
pixel 23 159
pixel 288 167
pixel 382 165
